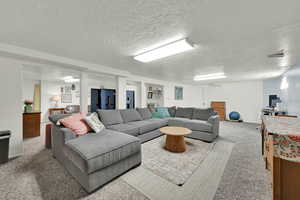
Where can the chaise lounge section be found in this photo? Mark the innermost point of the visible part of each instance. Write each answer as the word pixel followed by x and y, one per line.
pixel 95 158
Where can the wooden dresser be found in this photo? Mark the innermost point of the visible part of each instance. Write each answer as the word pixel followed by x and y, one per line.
pixel 281 152
pixel 31 124
pixel 220 108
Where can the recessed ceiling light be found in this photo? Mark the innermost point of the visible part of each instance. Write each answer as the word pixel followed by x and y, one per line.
pixel 209 76
pixel 70 79
pixel 172 48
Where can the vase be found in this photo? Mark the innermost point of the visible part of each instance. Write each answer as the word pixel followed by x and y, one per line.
pixel 28 108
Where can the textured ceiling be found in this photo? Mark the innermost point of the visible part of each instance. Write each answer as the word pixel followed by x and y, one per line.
pixel 235 36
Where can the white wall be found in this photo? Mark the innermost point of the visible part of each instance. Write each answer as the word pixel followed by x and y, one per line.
pixel 192 95
pixel 290 96
pixel 121 93
pixel 28 88
pixel 11 105
pixel 244 97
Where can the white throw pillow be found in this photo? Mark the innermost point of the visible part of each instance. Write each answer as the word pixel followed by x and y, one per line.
pixel 94 122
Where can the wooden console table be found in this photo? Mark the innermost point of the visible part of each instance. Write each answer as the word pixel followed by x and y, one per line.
pixel 281 151
pixel 31 124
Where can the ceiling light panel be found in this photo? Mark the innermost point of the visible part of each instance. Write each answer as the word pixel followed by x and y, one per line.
pixel 220 75
pixel 173 48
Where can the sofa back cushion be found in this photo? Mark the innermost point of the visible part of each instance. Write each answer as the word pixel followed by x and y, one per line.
pixel 145 113
pixel 110 117
pixel 130 115
pixel 184 112
pixel 172 111
pixel 76 123
pixel 202 113
pixel 157 115
pixel 163 111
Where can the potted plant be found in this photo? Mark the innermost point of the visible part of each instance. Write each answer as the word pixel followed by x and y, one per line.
pixel 28 106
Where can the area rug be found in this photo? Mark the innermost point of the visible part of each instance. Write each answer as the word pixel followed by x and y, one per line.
pixel 175 167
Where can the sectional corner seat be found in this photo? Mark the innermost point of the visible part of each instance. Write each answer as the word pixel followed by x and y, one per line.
pixel 96 158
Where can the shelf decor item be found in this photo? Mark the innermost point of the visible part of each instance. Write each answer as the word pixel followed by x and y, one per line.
pixel 150 95
pixel 55 99
pixel 28 106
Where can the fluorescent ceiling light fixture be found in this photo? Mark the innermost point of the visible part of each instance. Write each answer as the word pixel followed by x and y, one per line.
pixel 67 77
pixel 70 79
pixel 209 76
pixel 172 48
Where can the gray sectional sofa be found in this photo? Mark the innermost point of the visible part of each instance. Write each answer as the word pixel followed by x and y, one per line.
pixel 96 158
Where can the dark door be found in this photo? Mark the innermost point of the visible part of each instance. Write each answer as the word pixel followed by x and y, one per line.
pixel 108 99
pixel 95 100
pixel 130 99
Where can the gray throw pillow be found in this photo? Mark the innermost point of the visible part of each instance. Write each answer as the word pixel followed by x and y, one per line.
pixel 172 111
pixel 145 113
pixel 94 122
pixel 184 112
pixel 130 115
pixel 110 117
pixel 202 113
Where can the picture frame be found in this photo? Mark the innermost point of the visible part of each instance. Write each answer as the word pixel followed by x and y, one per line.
pixel 178 93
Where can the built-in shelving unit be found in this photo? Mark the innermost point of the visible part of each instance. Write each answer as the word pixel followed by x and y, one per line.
pixel 154 95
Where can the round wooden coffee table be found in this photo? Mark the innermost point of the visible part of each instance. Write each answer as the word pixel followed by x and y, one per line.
pixel 175 138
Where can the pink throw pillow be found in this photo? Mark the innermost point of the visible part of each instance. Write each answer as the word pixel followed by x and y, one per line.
pixel 76 123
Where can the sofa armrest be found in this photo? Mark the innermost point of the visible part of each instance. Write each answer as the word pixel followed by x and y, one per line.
pixel 68 134
pixel 59 137
pixel 213 119
pixel 215 122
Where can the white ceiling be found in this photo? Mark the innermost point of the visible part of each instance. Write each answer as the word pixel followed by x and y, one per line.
pixel 233 35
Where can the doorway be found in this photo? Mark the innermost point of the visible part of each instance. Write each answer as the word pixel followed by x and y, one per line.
pixel 130 103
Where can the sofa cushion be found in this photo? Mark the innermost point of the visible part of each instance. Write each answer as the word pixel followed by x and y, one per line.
pixel 194 125
pixel 161 121
pixel 157 115
pixel 163 111
pixel 172 111
pixel 198 125
pixel 184 112
pixel 177 121
pixel 145 113
pixel 76 123
pixel 110 117
pixel 125 128
pixel 145 125
pixel 130 115
pixel 55 118
pixel 202 113
pixel 93 152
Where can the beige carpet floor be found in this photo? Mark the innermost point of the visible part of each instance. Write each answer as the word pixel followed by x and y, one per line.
pixel 37 175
